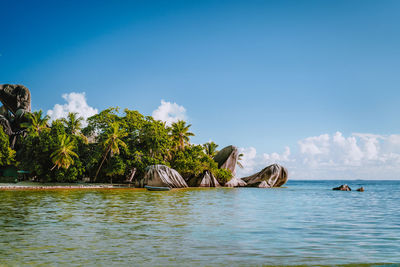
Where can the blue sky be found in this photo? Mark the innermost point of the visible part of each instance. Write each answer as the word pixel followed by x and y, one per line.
pixel 262 75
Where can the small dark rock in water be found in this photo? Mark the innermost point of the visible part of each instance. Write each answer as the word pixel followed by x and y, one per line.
pixel 343 187
pixel 361 189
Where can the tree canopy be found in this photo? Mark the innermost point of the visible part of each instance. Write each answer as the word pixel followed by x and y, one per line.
pixel 110 146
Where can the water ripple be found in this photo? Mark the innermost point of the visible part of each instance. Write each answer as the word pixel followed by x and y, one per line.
pixel 305 223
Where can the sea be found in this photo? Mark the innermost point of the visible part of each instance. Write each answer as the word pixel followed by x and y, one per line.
pixel 303 223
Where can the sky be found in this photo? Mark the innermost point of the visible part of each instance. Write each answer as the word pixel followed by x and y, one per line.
pixel 311 85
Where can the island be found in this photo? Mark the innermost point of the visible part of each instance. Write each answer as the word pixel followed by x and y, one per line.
pixel 114 146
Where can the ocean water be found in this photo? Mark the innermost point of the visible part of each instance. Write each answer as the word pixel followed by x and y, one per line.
pixel 305 223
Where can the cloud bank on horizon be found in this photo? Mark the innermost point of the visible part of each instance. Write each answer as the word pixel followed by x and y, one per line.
pixel 327 156
pixel 334 156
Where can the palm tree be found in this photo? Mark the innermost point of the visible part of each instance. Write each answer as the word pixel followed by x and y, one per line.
pixel 37 124
pixel 62 157
pixel 239 160
pixel 73 123
pixel 211 149
pixel 180 133
pixel 111 143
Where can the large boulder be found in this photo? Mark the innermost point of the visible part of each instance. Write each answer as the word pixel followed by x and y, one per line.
pixel 227 158
pixel 343 187
pixel 272 176
pixel 15 97
pixel 5 123
pixel 162 176
pixel 235 182
pixel 206 179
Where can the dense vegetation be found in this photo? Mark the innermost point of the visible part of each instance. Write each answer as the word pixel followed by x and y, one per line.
pixel 109 148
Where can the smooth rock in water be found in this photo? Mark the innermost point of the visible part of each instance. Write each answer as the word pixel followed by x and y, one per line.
pixel 162 176
pixel 361 189
pixel 206 179
pixel 343 187
pixel 272 176
pixel 227 158
pixel 235 182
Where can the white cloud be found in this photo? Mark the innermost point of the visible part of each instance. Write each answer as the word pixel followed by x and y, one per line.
pixel 277 158
pixel 315 145
pixel 169 112
pixel 357 156
pixel 248 161
pixel 76 102
pixel 333 156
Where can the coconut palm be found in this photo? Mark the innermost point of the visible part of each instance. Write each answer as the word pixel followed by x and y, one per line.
pixel 36 123
pixel 180 134
pixel 63 156
pixel 73 123
pixel 112 142
pixel 211 149
pixel 239 160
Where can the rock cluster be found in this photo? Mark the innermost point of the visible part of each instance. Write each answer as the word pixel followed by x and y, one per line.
pixel 345 187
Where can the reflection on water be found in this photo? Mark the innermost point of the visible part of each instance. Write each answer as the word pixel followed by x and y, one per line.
pixel 305 223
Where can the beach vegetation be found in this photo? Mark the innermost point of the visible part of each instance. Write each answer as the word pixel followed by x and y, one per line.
pixel 110 147
pixel 36 123
pixel 7 155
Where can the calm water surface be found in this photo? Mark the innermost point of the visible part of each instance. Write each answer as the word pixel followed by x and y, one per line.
pixel 305 223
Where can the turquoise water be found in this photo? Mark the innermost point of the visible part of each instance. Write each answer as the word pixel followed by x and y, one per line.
pixel 304 223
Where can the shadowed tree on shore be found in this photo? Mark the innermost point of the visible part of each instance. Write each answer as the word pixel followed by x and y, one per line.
pixel 112 142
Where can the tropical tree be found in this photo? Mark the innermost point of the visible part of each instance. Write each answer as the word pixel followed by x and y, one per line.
pixel 211 149
pixel 180 134
pixel 73 125
pixel 7 155
pixel 36 123
pixel 111 143
pixel 239 160
pixel 63 156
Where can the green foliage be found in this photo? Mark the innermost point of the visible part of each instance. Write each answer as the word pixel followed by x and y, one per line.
pixel 111 141
pixel 222 175
pixel 118 144
pixel 36 124
pixel 180 134
pixel 211 149
pixel 73 123
pixel 7 155
pixel 192 161
pixel 153 140
pixel 99 122
pixel 41 152
pixel 62 157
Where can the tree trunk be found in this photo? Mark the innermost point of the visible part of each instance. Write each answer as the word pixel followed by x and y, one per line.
pixel 133 171
pixel 101 164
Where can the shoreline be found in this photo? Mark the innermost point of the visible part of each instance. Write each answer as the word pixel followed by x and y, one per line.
pixel 32 186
